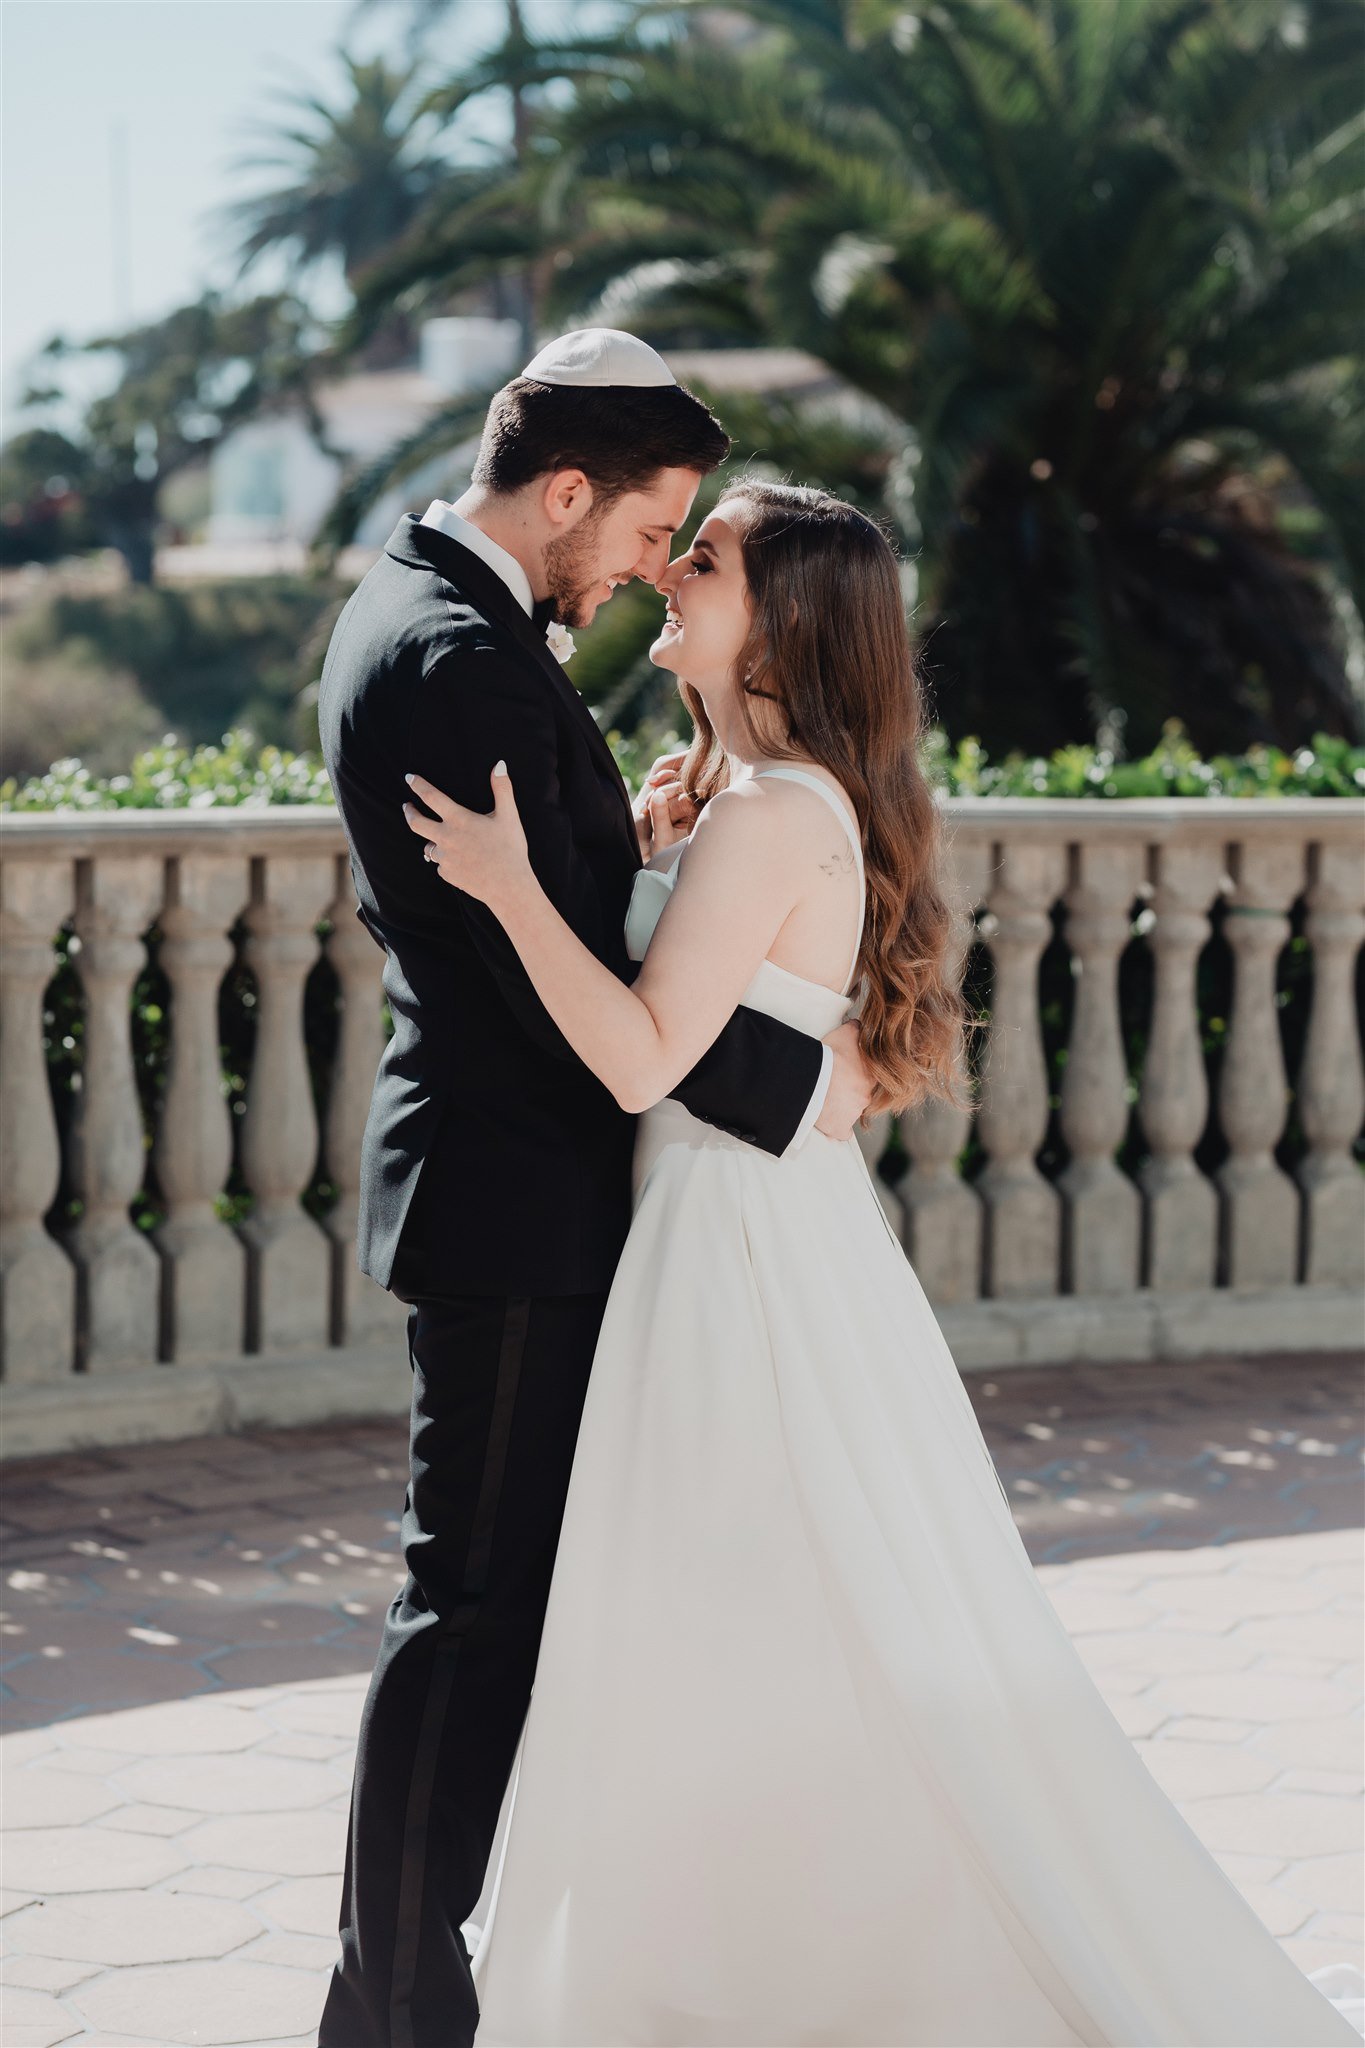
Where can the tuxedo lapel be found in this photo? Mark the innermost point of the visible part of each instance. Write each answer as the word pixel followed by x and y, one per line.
pixel 426 547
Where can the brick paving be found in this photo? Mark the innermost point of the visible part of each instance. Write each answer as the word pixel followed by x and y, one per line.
pixel 188 1630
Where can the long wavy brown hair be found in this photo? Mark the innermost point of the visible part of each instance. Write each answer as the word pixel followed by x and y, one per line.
pixel 829 650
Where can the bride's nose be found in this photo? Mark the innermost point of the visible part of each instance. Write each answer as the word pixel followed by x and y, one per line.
pixel 667 582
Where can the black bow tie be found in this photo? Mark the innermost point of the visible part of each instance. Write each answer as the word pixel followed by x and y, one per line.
pixel 542 613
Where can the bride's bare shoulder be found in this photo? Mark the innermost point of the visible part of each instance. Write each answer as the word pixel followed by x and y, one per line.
pixel 747 823
pixel 790 800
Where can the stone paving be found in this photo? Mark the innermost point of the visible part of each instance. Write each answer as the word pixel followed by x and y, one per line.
pixel 188 1631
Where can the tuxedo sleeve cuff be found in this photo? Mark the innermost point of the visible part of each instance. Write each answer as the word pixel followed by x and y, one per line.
pixel 815 1105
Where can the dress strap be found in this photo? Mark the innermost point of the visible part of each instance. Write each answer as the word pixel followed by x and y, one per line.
pixel 855 837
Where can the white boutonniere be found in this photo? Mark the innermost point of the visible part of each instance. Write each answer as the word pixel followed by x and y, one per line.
pixel 559 640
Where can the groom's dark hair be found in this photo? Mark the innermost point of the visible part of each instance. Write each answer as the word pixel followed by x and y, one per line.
pixel 620 436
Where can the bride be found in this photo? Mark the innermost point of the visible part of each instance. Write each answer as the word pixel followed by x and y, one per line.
pixel 810 1756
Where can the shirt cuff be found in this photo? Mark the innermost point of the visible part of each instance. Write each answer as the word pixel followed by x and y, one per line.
pixel 815 1105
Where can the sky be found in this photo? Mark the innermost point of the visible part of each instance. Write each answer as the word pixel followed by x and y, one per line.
pixel 171 86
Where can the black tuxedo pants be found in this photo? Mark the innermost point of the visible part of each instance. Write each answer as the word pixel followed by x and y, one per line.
pixel 498 1389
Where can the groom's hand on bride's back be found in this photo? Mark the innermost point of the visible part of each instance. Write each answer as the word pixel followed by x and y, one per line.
pixel 850 1085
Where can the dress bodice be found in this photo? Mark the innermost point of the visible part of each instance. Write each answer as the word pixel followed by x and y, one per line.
pixel 809 1006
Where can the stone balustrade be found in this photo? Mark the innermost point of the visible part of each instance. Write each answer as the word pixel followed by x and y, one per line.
pixel 1126 1209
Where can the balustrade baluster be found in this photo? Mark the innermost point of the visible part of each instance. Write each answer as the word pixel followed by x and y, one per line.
pixel 1101 1225
pixel 204 1264
pixel 1331 1087
pixel 360 1309
pixel 288 1256
pixel 943 1220
pixel 1259 1203
pixel 1181 1205
pixel 37 1279
pixel 1023 1220
pixel 119 1274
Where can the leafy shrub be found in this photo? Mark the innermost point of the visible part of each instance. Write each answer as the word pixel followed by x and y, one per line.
pixel 170 777
pixel 242 772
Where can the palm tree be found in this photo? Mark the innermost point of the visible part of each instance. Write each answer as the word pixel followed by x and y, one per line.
pixel 357 175
pixel 1100 260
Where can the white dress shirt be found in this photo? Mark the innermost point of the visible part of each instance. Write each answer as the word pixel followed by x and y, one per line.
pixel 448 520
pixel 443 516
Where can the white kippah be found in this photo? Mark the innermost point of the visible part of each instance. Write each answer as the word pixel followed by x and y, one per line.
pixel 599 355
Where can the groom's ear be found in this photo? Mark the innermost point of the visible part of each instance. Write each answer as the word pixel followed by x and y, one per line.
pixel 566 497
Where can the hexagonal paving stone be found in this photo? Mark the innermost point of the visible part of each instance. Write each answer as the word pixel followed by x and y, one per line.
pixel 249 1783
pixel 1166 1652
pixel 1279 1911
pixel 1336 1882
pixel 1285 1823
pixel 216 1881
pixel 1246 1870
pixel 1084 1609
pixel 34 2020
pixel 217 2004
pixel 155 1820
pixel 1196 1728
pixel 1241 1593
pixel 1114 1684
pixel 86 1763
pixel 319 1713
pixel 133 1927
pixel 1139 1716
pixel 1348 1927
pixel 306 1905
pixel 316 1748
pixel 300 1951
pixel 304 1844
pixel 1339 1581
pixel 93 1858
pixel 43 1973
pixel 1316 1745
pixel 1316 1635
pixel 23 1745
pixel 1201 1770
pixel 1340 1784
pixel 1252 1696
pixel 39 1798
pixel 187 1727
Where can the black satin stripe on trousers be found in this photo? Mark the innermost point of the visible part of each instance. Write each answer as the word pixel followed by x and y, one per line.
pixel 498 1388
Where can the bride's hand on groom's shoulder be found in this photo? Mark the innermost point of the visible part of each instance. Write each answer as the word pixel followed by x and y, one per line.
pixel 482 852
pixel 664 811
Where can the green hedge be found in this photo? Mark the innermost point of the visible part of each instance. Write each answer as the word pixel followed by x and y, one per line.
pixel 173 777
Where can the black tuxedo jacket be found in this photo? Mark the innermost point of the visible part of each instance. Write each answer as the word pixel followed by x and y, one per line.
pixel 493 1161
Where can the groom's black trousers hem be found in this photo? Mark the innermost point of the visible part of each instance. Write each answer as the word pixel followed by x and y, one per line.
pixel 498 1389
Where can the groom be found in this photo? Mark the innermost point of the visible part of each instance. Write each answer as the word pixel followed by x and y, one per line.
pixel 496 1187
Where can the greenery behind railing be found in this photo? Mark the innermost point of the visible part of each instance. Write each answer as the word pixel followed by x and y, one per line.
pixel 240 773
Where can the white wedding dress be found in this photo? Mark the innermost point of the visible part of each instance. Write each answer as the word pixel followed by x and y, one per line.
pixel 810 1756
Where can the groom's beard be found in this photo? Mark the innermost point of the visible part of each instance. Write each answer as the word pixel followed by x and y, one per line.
pixel 572 574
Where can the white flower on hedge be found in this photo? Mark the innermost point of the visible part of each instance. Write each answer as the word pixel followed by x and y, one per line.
pixel 559 640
